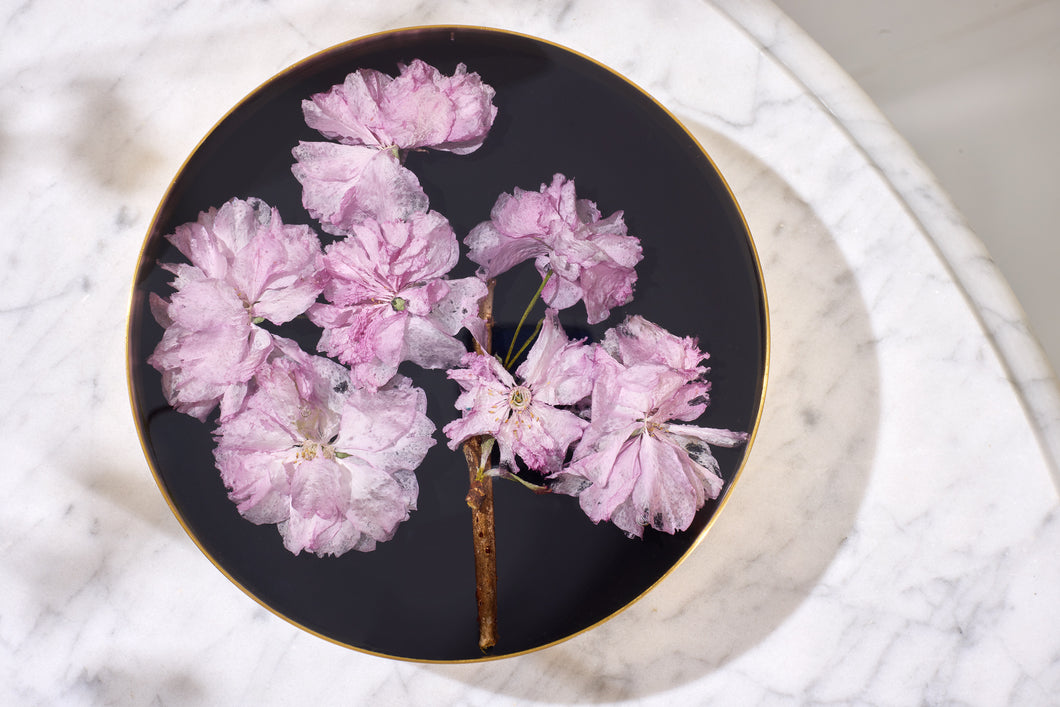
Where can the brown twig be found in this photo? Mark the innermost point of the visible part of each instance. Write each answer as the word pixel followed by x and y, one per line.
pixel 480 501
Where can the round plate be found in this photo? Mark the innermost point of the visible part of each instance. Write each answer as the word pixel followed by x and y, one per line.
pixel 559 574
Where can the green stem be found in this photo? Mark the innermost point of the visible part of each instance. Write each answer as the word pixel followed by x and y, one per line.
pixel 526 313
pixel 503 474
pixel 528 341
pixel 484 457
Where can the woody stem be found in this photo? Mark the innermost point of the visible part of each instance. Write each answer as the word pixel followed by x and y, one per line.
pixel 480 500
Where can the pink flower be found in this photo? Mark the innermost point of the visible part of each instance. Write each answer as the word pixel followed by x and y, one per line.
pixel 522 413
pixel 343 185
pixel 332 465
pixel 591 259
pixel 210 349
pixel 420 108
pixel 377 118
pixel 246 267
pixel 634 465
pixel 389 301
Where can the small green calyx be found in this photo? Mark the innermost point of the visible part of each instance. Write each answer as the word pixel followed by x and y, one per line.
pixel 399 304
pixel 258 320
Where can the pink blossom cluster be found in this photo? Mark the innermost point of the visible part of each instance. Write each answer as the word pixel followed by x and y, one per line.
pixel 388 296
pixel 326 447
pixel 630 460
pixel 373 120
pixel 298 445
pixel 246 267
pixel 326 452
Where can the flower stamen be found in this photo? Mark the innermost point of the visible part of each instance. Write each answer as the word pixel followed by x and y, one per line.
pixel 519 398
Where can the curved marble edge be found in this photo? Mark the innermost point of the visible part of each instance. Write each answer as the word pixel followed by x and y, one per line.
pixel 970 264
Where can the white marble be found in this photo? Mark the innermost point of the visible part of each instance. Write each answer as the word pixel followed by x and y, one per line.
pixel 894 538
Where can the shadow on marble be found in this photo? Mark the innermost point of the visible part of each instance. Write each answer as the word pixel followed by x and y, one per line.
pixel 106 141
pixel 135 492
pixel 795 503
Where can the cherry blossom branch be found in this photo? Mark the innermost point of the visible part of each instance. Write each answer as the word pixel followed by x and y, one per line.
pixel 480 500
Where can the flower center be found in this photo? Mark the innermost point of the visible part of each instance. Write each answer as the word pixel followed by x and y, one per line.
pixel 309 450
pixel 310 425
pixel 650 426
pixel 249 307
pixel 519 398
pixel 399 304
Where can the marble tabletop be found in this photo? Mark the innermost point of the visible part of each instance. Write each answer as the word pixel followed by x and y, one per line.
pixel 894 538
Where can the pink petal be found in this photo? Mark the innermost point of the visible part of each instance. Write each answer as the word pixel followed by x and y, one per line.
pixel 607 491
pixel 257 484
pixel 349 112
pixel 459 307
pixel 344 184
pixel 637 340
pixel 560 371
pixel 708 435
pixel 484 400
pixel 540 436
pixel 497 252
pixel 423 108
pixel 428 346
pixel 664 496
pixel 387 428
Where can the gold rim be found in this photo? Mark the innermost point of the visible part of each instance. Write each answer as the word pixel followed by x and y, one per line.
pixel 133 311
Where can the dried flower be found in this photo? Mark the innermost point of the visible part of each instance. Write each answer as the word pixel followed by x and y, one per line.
pixel 332 465
pixel 591 259
pixel 246 267
pixel 523 412
pixel 634 465
pixel 421 108
pixel 389 301
pixel 374 120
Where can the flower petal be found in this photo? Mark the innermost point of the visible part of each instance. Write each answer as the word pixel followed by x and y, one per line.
pixel 559 371
pixel 349 112
pixel 344 184
pixel 428 346
pixel 637 340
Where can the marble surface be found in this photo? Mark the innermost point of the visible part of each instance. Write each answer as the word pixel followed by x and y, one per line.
pixel 894 538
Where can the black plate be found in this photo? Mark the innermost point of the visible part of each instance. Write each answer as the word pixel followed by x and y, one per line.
pixel 414 596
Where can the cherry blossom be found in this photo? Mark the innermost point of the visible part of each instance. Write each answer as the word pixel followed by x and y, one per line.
pixel 375 120
pixel 635 464
pixel 420 108
pixel 523 412
pixel 246 267
pixel 330 464
pixel 585 257
pixel 388 300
